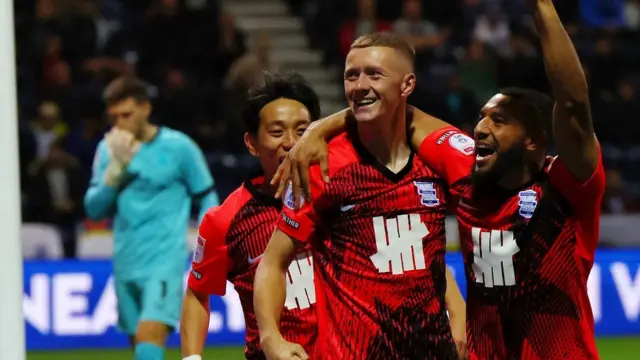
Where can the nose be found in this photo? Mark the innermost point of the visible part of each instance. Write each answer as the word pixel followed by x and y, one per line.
pixel 289 140
pixel 481 130
pixel 363 84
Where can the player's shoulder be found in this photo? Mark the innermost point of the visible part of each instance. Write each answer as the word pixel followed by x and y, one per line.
pixel 217 219
pixel 341 153
pixel 175 137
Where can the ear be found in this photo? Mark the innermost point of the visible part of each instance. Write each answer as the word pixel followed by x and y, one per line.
pixel 147 108
pixel 250 143
pixel 408 85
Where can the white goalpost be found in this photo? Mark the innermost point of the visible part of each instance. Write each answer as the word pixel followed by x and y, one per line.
pixel 12 337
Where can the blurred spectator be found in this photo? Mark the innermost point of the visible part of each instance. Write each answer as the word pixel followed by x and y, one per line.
pixel 422 34
pixel 462 105
pixel 249 69
pixel 92 43
pixel 162 44
pixel 47 128
pixel 231 44
pixel 478 71
pixel 616 199
pixel 55 193
pixel 492 28
pixel 364 23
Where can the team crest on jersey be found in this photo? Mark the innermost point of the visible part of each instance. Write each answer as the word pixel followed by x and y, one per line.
pixel 528 202
pixel 462 143
pixel 288 199
pixel 427 192
pixel 198 255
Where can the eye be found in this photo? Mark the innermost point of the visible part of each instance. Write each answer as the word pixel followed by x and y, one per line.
pixel 276 133
pixel 301 131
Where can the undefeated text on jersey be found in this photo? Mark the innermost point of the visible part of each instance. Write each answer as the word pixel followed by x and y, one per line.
pixel 381 270
pixel 528 254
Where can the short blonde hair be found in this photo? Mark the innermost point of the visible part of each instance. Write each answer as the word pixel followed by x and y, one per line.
pixel 386 39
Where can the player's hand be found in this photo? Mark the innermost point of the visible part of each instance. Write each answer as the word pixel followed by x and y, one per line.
pixel 459 332
pixel 280 349
pixel 310 149
pixel 122 144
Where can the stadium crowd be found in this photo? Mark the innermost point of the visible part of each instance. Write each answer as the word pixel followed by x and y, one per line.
pixel 192 51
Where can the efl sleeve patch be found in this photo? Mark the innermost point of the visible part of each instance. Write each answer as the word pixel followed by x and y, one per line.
pixel 462 143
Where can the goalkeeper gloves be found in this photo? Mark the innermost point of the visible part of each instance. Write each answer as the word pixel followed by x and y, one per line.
pixel 123 146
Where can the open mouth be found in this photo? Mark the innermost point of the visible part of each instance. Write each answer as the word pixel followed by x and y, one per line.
pixel 365 102
pixel 484 152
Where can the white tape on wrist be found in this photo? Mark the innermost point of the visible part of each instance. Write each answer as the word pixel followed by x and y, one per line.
pixel 193 357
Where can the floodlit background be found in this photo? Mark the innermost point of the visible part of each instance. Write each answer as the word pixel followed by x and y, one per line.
pixel 202 55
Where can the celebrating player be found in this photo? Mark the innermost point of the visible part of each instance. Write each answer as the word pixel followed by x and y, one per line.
pixel 376 231
pixel 146 177
pixel 233 236
pixel 528 223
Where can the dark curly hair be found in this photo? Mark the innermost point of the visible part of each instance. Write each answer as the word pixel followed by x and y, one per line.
pixel 289 85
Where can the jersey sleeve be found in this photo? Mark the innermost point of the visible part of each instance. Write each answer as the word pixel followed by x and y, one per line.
pixel 585 198
pixel 195 170
pixel 301 224
pixel 99 201
pixel 211 260
pixel 450 152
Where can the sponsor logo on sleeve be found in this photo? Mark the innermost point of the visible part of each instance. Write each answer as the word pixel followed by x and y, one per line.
pixel 198 255
pixel 462 143
pixel 444 137
pixel 196 274
pixel 288 199
pixel 289 221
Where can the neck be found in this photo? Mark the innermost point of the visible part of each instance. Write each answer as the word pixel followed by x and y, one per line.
pixel 386 139
pixel 266 187
pixel 148 132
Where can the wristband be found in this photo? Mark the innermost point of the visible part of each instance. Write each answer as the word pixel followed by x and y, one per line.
pixel 193 357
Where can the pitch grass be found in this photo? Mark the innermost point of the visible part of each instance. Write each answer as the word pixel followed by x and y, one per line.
pixel 609 348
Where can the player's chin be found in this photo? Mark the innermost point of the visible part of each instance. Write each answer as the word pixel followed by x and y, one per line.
pixel 484 164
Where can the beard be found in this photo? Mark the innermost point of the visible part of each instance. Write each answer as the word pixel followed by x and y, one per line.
pixel 511 159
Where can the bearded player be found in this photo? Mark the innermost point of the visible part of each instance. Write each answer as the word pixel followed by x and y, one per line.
pixel 376 231
pixel 233 236
pixel 528 223
pixel 146 177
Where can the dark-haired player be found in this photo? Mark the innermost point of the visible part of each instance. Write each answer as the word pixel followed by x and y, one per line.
pixel 376 231
pixel 146 177
pixel 528 222
pixel 233 236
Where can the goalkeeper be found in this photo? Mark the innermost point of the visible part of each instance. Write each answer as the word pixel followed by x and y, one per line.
pixel 146 176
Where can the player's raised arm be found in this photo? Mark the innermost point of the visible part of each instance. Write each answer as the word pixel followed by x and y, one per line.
pixel 269 296
pixel 573 133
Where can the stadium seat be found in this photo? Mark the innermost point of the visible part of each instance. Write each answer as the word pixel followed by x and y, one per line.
pixel 41 241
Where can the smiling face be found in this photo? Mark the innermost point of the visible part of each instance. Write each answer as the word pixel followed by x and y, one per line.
pixel 282 122
pixel 377 80
pixel 501 142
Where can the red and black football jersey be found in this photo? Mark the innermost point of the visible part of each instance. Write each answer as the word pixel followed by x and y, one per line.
pixel 231 241
pixel 380 268
pixel 528 254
